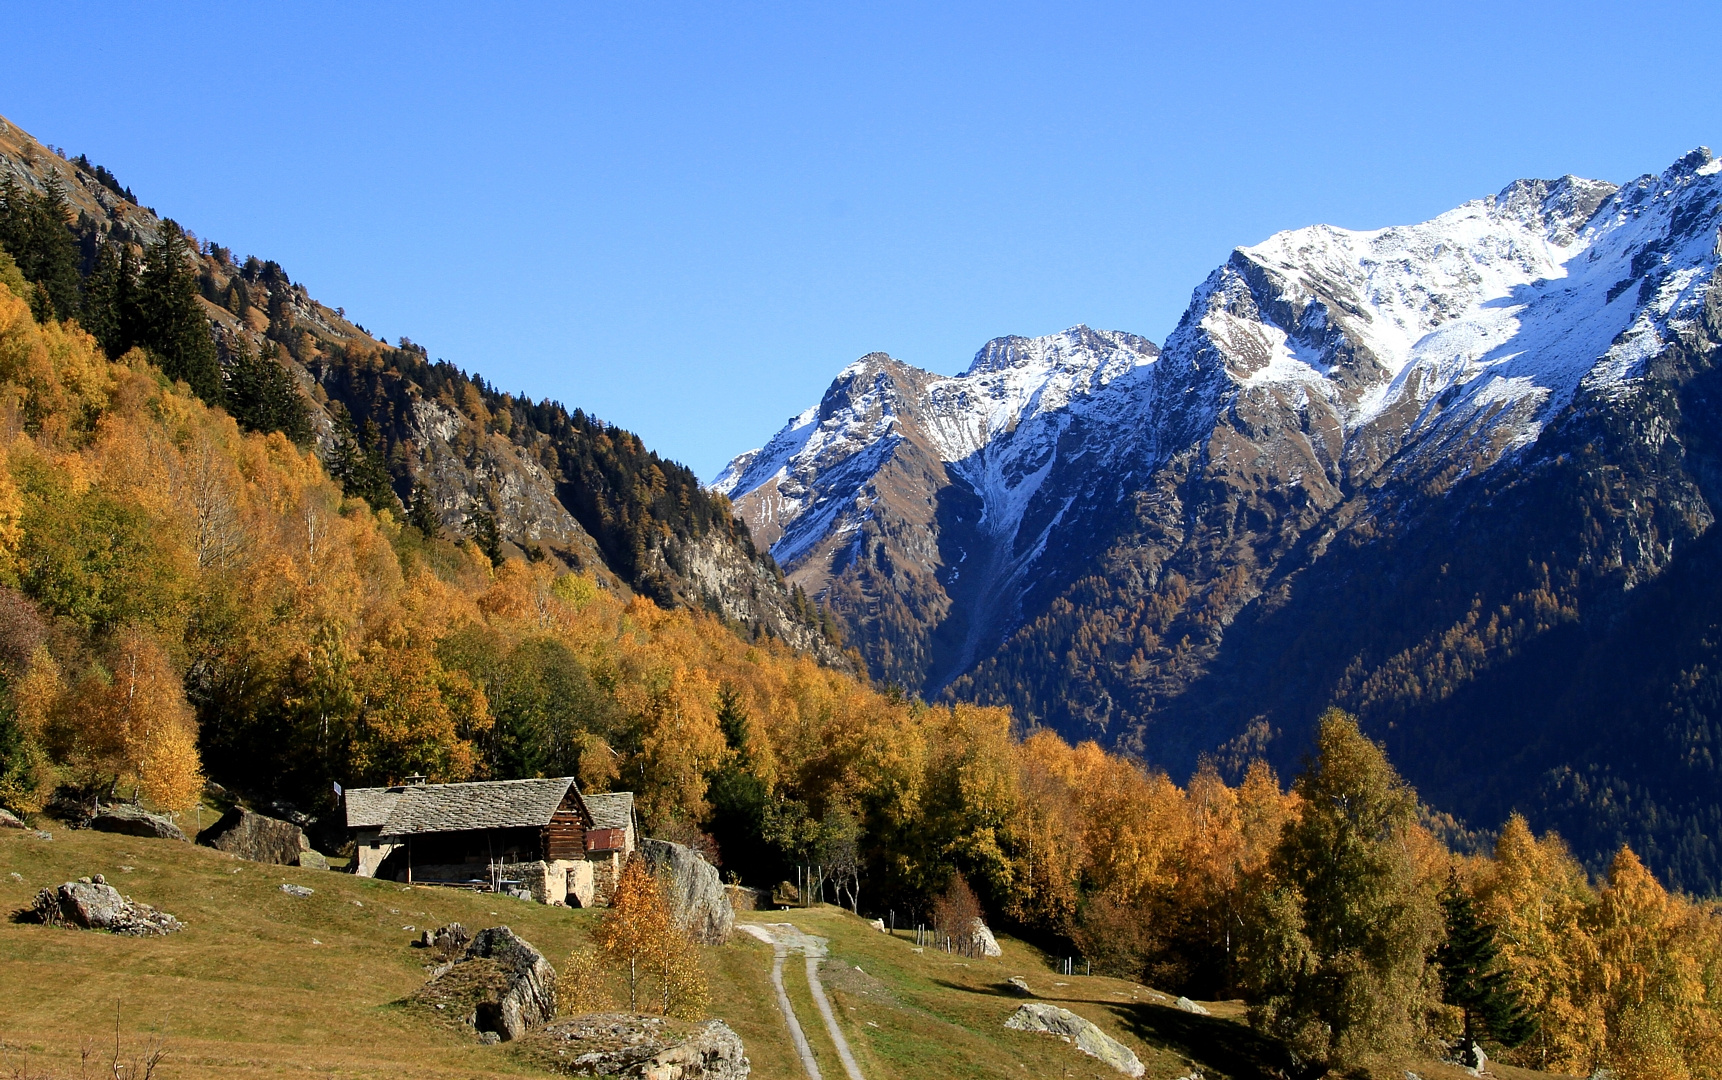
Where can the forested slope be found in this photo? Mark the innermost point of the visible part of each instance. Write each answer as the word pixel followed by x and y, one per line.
pixel 408 434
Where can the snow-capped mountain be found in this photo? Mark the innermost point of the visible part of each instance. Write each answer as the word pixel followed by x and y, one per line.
pixel 1112 538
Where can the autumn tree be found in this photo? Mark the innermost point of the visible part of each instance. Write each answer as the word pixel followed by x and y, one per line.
pixel 582 985
pixel 638 936
pixel 1536 895
pixel 1343 925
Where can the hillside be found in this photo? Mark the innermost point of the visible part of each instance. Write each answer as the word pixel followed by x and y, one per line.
pixel 263 984
pixel 412 434
pixel 1425 473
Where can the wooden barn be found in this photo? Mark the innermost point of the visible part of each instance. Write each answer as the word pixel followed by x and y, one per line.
pixel 541 838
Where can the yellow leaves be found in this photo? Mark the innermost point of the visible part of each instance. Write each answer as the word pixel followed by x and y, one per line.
pixel 414 716
pixel 680 741
pixel 581 986
pixel 640 940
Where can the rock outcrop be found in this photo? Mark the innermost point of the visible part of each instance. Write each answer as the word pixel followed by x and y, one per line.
pixel 1052 1020
pixel 93 904
pixel 981 940
pixel 640 1048
pixel 133 821
pixel 260 838
pixel 698 900
pixel 500 987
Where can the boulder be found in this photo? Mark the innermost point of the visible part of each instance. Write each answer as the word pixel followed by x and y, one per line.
pixel 9 820
pixel 93 904
pixel 1039 1016
pixel 981 940
pixel 696 895
pixel 1020 985
pixel 1191 1007
pixel 1468 1054
pixel 742 898
pixel 253 836
pixel 312 859
pixel 296 890
pixel 640 1048
pixel 133 821
pixel 529 995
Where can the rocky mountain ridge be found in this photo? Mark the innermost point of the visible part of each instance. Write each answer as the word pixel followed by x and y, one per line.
pixel 1198 550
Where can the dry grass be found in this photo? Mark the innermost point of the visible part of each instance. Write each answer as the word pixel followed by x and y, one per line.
pixel 262 984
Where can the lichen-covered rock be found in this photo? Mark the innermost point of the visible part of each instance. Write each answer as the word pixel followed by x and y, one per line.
pixel 530 997
pixel 640 1048
pixel 698 901
pixel 254 836
pixel 93 904
pixel 1191 1007
pixel 9 820
pixel 1052 1020
pixel 134 821
pixel 499 984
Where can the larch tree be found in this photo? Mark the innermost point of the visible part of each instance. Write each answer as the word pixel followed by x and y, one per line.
pixel 1343 926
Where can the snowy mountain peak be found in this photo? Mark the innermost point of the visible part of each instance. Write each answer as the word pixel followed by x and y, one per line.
pixel 1317 363
pixel 1077 347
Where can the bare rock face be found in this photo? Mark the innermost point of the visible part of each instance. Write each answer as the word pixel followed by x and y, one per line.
pixel 253 836
pixel 1052 1020
pixel 641 1048
pixel 93 904
pixel 698 900
pixel 133 821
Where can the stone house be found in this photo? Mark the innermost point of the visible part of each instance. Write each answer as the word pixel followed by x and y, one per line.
pixel 537 837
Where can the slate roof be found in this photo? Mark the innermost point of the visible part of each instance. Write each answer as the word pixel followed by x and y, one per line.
pixel 369 807
pixel 431 808
pixel 611 811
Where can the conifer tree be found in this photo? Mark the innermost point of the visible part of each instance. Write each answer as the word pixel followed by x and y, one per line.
pixel 359 463
pixel 35 230
pixel 174 327
pixel 481 526
pixel 1473 976
pixel 109 310
pixel 422 511
pixel 263 395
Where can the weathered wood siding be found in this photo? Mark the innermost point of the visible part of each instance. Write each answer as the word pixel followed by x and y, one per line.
pixel 565 836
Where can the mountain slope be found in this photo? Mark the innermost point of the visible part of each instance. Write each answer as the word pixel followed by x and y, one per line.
pixel 558 485
pixel 1416 471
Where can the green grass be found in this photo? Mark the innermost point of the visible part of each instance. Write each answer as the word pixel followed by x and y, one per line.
pixel 261 984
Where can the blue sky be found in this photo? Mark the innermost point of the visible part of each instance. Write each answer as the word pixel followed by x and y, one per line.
pixel 687 218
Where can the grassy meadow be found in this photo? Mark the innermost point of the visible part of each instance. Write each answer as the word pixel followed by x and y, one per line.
pixel 263 984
